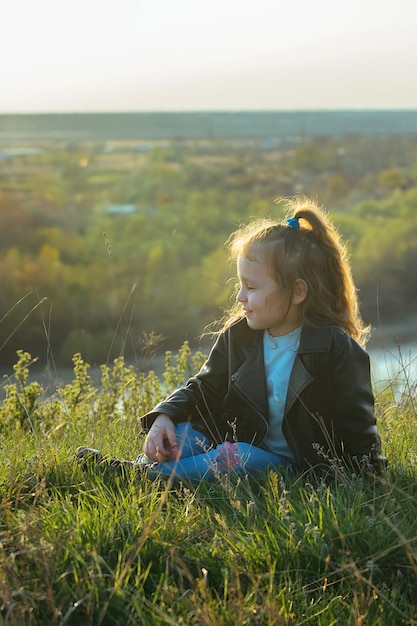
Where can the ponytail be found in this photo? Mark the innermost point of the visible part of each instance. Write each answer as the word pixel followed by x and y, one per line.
pixel 326 269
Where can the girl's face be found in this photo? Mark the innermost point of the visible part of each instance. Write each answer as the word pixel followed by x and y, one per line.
pixel 264 303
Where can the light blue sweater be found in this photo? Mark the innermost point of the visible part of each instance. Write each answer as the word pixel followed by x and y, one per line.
pixel 279 355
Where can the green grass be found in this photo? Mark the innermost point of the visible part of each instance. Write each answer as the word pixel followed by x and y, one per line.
pixel 85 548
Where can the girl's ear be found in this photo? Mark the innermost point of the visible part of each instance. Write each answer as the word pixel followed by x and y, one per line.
pixel 299 293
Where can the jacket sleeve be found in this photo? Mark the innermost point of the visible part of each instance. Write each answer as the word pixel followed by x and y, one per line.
pixel 355 419
pixel 200 399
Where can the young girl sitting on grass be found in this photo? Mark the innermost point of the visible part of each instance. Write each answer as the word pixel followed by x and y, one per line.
pixel 287 383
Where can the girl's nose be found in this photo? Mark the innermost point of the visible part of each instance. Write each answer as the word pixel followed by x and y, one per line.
pixel 240 296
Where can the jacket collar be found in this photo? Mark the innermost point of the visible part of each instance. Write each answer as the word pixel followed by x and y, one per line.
pixel 312 340
pixel 250 377
pixel 315 339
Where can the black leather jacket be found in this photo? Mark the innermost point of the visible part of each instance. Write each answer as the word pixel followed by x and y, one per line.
pixel 329 410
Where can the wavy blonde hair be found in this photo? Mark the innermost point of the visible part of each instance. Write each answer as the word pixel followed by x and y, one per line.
pixel 313 252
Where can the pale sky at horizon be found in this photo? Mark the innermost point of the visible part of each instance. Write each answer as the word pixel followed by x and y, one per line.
pixel 143 55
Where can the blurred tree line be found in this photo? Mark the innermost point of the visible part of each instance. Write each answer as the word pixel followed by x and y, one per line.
pixel 105 247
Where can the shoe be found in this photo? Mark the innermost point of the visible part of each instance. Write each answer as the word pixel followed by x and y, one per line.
pixel 118 466
pixel 88 456
pixel 227 458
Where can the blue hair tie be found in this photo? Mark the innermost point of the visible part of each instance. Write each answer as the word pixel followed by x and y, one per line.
pixel 293 222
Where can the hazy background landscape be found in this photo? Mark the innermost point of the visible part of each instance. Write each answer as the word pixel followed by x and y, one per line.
pixel 112 225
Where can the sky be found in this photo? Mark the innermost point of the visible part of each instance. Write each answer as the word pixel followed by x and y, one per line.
pixel 190 55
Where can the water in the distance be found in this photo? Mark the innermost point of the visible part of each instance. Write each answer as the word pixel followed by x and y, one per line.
pixel 394 361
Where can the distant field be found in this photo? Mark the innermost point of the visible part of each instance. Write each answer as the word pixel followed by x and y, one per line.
pixel 261 125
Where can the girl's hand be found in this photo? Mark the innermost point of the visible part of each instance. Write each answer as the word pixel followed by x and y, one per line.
pixel 161 441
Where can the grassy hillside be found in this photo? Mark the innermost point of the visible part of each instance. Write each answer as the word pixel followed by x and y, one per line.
pixel 88 548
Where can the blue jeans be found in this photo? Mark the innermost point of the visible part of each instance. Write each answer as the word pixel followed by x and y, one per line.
pixel 199 460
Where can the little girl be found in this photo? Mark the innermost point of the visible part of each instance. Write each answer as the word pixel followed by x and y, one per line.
pixel 287 383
